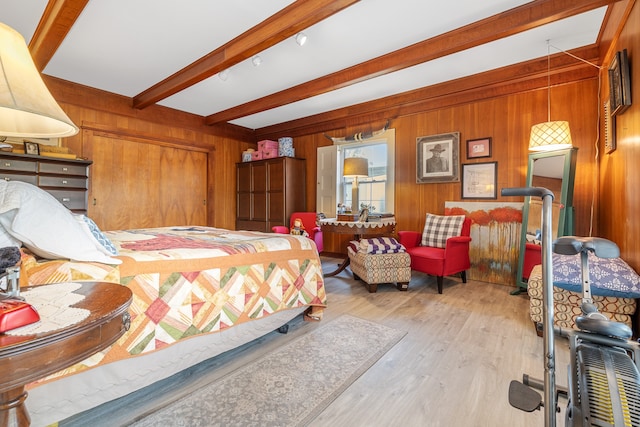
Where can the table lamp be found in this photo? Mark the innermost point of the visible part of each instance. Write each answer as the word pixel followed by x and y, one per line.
pixel 27 108
pixel 355 167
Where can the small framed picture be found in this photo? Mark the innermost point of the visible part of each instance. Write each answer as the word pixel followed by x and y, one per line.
pixel 31 147
pixel 479 180
pixel 477 148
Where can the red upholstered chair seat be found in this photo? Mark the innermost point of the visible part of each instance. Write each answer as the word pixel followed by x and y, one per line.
pixel 439 262
pixel 532 257
pixel 309 223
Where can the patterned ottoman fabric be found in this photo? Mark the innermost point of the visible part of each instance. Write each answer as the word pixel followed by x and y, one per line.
pixel 566 304
pixel 374 269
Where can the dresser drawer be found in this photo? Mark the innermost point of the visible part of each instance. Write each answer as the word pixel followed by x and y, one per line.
pixel 17 165
pixel 62 169
pixel 73 200
pixel 63 181
pixel 30 179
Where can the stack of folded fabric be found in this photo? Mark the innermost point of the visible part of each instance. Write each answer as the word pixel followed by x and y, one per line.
pixel 380 260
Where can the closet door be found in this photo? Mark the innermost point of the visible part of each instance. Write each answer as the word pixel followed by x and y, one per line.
pixel 137 184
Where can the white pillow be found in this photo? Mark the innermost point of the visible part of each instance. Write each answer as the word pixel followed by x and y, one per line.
pixel 7 239
pixel 94 233
pixel 44 225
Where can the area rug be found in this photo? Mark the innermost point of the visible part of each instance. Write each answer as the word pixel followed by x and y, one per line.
pixel 289 386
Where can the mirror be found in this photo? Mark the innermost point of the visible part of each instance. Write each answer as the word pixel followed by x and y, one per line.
pixel 554 170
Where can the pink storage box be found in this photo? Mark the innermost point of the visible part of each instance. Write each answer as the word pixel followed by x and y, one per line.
pixel 267 144
pixel 256 155
pixel 270 153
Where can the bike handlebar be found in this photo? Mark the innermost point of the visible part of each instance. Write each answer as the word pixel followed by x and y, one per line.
pixel 527 191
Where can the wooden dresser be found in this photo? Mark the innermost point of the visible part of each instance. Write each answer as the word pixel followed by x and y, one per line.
pixel 65 179
pixel 268 192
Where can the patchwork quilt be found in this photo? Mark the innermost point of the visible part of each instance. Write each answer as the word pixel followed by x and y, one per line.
pixel 188 281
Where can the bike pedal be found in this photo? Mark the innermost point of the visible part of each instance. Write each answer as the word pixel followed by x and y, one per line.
pixel 523 397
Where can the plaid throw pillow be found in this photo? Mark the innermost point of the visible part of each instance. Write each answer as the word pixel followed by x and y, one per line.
pixel 437 229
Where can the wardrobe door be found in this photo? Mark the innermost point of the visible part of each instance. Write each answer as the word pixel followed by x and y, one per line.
pixel 136 184
pixel 276 192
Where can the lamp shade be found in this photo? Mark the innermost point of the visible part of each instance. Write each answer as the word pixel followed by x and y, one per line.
pixel 356 167
pixel 549 136
pixel 27 109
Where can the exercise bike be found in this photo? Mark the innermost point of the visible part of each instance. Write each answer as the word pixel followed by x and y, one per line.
pixel 603 374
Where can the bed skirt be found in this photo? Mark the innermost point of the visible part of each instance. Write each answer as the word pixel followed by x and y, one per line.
pixel 57 400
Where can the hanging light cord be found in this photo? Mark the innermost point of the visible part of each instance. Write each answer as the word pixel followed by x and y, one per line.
pixel 572 55
pixel 548 81
pixel 597 150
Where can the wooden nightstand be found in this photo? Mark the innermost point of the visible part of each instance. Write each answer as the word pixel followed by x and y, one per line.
pixel 24 359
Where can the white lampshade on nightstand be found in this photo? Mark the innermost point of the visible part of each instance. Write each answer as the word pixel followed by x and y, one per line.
pixel 27 108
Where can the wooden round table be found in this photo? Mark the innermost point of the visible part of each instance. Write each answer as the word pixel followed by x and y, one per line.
pixel 357 229
pixel 27 358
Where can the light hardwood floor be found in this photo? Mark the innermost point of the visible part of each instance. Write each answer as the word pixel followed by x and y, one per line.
pixel 453 367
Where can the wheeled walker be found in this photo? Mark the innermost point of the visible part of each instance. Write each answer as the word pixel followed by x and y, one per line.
pixel 603 375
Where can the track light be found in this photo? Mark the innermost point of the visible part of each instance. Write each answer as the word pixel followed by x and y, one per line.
pixel 256 60
pixel 301 38
pixel 223 75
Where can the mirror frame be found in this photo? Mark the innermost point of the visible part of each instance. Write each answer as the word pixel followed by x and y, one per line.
pixel 566 215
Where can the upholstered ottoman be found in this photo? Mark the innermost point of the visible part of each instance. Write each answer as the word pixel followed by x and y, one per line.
pixel 614 289
pixel 373 267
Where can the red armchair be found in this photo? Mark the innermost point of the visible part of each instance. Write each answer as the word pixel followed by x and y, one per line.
pixel 439 262
pixel 309 223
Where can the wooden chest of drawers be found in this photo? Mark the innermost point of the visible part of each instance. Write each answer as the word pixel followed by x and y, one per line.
pixel 66 180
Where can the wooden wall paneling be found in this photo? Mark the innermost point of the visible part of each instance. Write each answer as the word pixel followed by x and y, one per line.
pixel 620 171
pixel 507 120
pixel 110 113
pixel 222 182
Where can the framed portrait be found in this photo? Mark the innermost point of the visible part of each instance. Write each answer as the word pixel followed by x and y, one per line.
pixel 619 83
pixel 477 148
pixel 479 180
pixel 438 158
pixel 31 147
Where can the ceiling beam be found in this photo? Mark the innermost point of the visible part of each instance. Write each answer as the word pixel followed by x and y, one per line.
pixel 529 75
pixel 502 25
pixel 284 24
pixel 56 21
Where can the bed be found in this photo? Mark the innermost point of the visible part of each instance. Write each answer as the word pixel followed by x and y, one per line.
pixel 615 288
pixel 198 292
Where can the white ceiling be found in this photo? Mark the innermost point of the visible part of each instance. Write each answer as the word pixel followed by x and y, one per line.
pixel 127 46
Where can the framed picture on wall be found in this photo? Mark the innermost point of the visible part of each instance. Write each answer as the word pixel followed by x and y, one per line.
pixel 478 148
pixel 479 180
pixel 619 83
pixel 438 158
